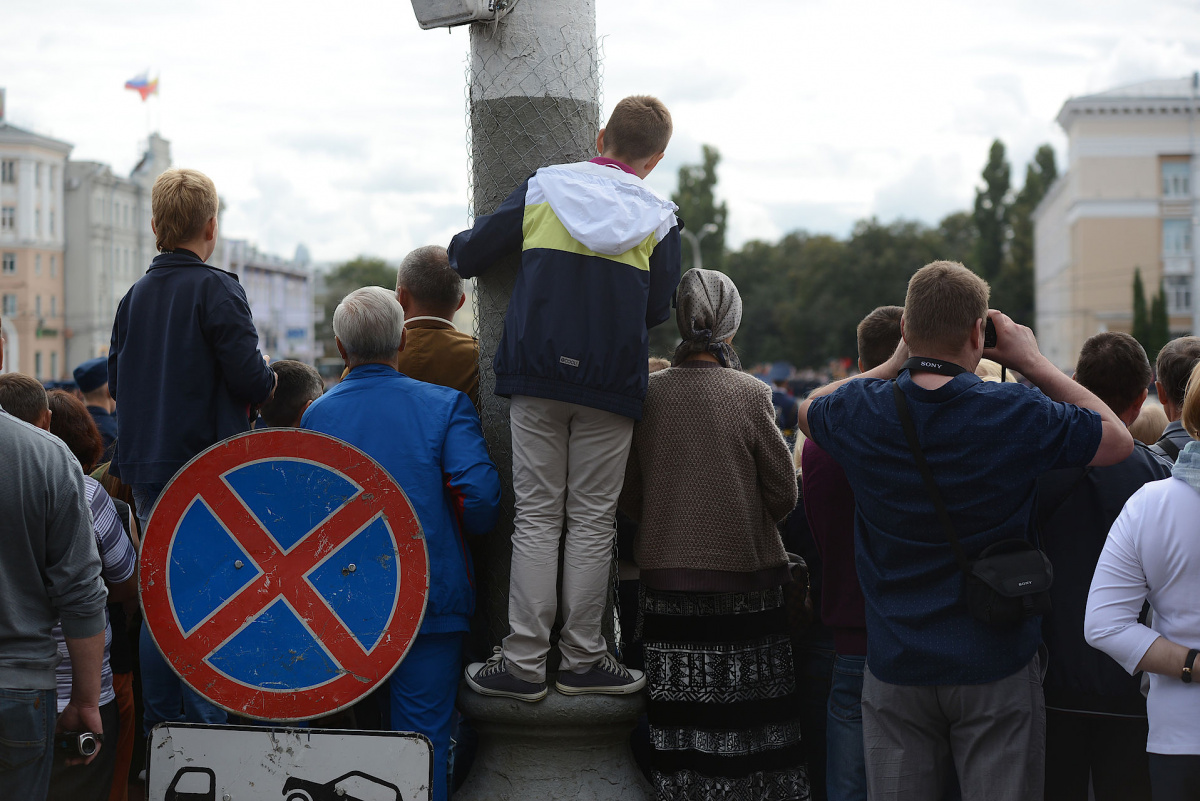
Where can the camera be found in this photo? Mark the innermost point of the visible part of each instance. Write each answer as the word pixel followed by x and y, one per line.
pixel 78 743
pixel 989 334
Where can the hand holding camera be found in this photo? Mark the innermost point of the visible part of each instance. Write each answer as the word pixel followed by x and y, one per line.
pixel 1011 345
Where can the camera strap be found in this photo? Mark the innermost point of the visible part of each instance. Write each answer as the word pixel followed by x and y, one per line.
pixel 928 365
pixel 910 432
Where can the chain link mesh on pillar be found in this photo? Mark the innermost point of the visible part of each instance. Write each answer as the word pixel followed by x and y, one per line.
pixel 533 99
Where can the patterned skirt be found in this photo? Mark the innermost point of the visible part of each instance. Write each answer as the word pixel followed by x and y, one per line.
pixel 724 709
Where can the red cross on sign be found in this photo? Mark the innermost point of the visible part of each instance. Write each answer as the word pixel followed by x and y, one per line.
pixel 283 574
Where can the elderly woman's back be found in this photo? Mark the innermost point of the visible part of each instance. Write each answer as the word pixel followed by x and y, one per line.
pixel 709 477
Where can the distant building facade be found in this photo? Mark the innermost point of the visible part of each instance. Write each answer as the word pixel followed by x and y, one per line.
pixel 109 244
pixel 1127 200
pixel 281 296
pixel 32 300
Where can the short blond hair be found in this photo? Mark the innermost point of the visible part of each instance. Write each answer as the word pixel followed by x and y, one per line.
pixel 944 301
pixel 640 127
pixel 1191 405
pixel 181 204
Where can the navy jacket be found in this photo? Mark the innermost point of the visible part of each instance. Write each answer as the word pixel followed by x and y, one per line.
pixel 599 264
pixel 429 440
pixel 1076 508
pixel 183 365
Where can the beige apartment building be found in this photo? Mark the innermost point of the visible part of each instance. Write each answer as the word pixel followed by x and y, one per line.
pixel 1126 201
pixel 32 304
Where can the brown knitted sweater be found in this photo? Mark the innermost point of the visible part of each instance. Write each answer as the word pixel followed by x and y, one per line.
pixel 709 476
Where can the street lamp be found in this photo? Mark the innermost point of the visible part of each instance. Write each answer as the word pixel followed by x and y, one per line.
pixel 694 241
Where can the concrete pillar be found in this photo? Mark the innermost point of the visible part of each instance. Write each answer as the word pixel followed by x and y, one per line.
pixel 533 102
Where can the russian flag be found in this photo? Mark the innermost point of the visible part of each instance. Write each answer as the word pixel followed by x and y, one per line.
pixel 143 85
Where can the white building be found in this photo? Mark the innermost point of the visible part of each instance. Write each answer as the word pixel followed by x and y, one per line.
pixel 109 244
pixel 281 298
pixel 1126 201
pixel 31 251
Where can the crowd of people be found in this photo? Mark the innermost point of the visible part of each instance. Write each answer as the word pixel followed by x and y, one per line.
pixel 1001 576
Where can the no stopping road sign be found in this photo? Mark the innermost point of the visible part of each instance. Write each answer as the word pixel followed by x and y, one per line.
pixel 283 574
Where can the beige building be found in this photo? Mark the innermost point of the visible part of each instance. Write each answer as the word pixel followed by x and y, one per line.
pixel 1126 201
pixel 280 293
pixel 32 298
pixel 109 244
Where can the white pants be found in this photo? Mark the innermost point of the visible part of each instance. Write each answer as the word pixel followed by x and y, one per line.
pixel 568 463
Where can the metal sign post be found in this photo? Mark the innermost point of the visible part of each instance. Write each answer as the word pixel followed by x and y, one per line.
pixel 283 574
pixel 197 762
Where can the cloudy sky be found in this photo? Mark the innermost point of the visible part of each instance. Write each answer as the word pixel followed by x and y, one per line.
pixel 342 125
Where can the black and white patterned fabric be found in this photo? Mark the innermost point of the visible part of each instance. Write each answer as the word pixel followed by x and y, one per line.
pixel 724 710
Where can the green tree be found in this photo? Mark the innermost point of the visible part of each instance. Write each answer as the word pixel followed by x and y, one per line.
pixel 958 235
pixel 698 208
pixel 344 279
pixel 1141 318
pixel 1160 327
pixel 1015 285
pixel 991 214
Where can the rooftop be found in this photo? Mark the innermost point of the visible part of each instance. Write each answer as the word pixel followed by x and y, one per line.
pixel 1163 97
pixel 12 135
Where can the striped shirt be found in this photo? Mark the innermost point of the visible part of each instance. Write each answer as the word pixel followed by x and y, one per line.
pixel 118 561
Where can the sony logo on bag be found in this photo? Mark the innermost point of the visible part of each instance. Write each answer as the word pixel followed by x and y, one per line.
pixel 568 362
pixel 1024 583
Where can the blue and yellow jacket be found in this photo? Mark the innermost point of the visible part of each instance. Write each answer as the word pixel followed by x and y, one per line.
pixel 599 264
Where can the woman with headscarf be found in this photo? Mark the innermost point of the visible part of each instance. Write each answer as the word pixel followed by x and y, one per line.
pixel 709 477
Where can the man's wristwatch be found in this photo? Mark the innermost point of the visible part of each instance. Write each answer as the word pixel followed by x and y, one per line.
pixel 1188 664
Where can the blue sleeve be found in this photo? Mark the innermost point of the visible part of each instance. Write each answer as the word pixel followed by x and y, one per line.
pixel 1070 434
pixel 471 479
pixel 229 330
pixel 491 238
pixel 664 277
pixel 819 428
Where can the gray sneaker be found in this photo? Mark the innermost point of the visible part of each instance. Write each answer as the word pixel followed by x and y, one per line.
pixel 492 678
pixel 606 677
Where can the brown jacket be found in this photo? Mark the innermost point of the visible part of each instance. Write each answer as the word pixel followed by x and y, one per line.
pixel 437 353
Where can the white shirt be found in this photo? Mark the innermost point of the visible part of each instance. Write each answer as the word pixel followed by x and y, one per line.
pixel 1153 553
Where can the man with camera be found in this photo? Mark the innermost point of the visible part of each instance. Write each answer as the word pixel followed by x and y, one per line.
pixel 944 467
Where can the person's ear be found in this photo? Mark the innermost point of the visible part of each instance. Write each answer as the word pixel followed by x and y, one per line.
pixel 977 334
pixel 1075 377
pixel 44 419
pixel 903 336
pixel 461 300
pixel 341 350
pixel 299 417
pixel 600 141
pixel 1161 391
pixel 652 162
pixel 403 297
pixel 1134 409
pixel 210 229
pixel 153 230
pixel 862 368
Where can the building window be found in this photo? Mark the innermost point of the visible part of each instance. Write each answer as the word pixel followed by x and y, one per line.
pixel 37 173
pixel 1177 237
pixel 37 222
pixel 37 264
pixel 54 366
pixel 53 308
pixel 10 305
pixel 8 172
pixel 1178 289
pixel 8 219
pixel 1177 178
pixel 37 365
pixel 37 307
pixel 8 264
pixel 52 232
pixel 53 266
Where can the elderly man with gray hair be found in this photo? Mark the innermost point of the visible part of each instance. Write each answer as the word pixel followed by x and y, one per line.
pixel 433 447
pixel 437 352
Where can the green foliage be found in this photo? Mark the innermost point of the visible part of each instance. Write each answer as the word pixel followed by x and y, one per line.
pixel 991 214
pixel 1013 287
pixel 344 279
pixel 1160 327
pixel 1141 318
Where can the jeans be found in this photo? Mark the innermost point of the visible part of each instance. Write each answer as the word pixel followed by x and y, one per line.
pixel 1175 777
pixel 165 697
pixel 26 741
pixel 846 773
pixel 423 690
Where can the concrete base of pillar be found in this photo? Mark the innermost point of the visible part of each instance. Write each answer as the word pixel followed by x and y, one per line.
pixel 562 747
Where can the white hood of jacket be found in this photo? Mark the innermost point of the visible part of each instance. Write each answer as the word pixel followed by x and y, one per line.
pixel 607 210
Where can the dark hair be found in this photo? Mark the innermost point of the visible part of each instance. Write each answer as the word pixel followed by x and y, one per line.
pixel 427 276
pixel 1114 367
pixel 298 384
pixel 71 422
pixel 1174 366
pixel 23 397
pixel 878 335
pixel 640 127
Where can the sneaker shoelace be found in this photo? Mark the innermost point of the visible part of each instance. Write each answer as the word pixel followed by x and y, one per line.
pixel 494 664
pixel 610 665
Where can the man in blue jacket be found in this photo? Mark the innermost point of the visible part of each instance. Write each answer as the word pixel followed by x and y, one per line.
pixel 429 439
pixel 599 262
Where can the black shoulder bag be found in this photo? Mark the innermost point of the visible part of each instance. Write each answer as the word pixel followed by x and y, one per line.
pixel 1010 580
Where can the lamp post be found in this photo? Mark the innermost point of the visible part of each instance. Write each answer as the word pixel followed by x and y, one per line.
pixel 695 239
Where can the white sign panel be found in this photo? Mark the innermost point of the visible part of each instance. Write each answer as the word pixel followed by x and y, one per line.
pixel 198 762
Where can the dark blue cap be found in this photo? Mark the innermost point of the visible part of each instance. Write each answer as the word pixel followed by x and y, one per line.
pixel 92 374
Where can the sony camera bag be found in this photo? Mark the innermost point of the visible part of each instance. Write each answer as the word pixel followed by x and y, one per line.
pixel 1009 581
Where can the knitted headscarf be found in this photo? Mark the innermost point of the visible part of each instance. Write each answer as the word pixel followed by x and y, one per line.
pixel 708 311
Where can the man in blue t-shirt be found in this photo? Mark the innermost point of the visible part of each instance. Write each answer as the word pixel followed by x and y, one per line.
pixel 939 684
